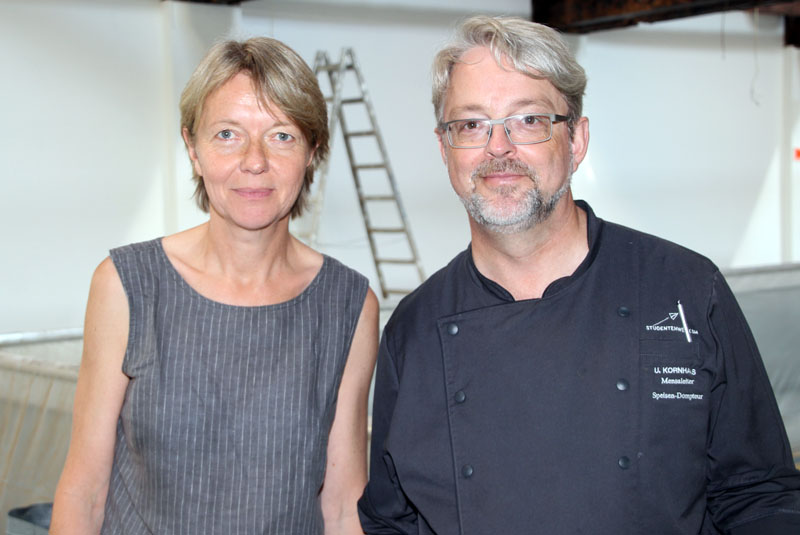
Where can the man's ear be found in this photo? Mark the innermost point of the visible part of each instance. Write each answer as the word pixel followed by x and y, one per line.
pixel 443 145
pixel 580 142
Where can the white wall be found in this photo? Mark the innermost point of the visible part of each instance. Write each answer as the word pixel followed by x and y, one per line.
pixel 686 119
pixel 81 149
pixel 791 151
pixel 91 156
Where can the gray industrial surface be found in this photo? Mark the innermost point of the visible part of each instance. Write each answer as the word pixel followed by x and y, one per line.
pixel 770 299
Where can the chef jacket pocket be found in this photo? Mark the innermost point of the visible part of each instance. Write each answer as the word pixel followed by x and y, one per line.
pixel 674 422
pixel 672 370
pixel 677 350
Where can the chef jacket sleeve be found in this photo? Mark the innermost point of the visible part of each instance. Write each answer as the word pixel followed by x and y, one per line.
pixel 383 508
pixel 753 485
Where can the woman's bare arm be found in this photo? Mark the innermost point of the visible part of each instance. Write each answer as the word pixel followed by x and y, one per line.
pixel 346 470
pixel 81 493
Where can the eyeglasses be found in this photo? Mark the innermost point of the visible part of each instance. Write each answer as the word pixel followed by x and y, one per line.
pixel 523 129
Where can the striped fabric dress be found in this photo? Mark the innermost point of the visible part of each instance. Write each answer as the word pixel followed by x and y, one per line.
pixel 225 422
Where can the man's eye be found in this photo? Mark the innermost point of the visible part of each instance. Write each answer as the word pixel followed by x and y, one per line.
pixel 283 136
pixel 468 126
pixel 530 119
pixel 225 134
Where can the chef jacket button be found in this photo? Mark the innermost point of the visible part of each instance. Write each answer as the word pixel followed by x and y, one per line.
pixel 452 329
pixel 622 385
pixel 624 462
pixel 460 396
pixel 467 470
pixel 624 311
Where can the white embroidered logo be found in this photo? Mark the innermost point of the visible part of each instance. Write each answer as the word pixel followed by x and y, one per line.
pixel 671 323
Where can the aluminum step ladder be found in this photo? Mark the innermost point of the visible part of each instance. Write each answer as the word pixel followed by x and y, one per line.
pixel 394 252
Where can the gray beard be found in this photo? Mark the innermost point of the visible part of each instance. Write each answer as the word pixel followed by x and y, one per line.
pixel 533 208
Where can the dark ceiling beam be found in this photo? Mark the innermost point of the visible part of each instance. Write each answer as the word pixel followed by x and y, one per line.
pixel 220 2
pixel 579 16
pixel 791 21
pixel 791 31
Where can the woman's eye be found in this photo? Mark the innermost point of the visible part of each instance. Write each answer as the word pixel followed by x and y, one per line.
pixel 225 134
pixel 283 136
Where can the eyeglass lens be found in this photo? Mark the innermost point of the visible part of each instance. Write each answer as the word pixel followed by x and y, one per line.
pixel 520 129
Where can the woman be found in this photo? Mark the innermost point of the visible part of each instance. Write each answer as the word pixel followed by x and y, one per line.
pixel 226 368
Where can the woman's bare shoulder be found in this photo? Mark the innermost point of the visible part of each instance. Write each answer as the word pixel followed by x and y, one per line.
pixel 106 280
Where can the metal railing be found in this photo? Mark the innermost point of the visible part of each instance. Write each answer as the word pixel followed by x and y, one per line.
pixel 54 335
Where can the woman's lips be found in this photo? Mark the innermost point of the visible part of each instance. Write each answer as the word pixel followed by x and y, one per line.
pixel 253 193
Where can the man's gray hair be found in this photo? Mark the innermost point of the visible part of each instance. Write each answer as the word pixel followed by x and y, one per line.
pixel 532 49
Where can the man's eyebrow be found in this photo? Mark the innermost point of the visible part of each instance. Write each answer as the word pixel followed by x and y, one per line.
pixel 543 102
pixel 469 108
pixel 480 110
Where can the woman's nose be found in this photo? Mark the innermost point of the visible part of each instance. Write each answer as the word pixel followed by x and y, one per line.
pixel 255 158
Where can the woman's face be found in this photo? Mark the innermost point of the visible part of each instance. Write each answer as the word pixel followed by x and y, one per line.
pixel 252 159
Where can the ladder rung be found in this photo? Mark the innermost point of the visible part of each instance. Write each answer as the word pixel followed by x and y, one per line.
pixel 397 291
pixel 360 133
pixel 378 197
pixel 328 67
pixel 395 260
pixel 332 67
pixel 387 229
pixel 353 100
pixel 370 166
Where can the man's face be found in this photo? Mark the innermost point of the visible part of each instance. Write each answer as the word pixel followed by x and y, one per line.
pixel 506 187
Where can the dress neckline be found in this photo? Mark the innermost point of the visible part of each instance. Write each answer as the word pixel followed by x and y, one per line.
pixel 289 302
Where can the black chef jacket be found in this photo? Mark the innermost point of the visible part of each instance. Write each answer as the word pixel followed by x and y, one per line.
pixel 585 411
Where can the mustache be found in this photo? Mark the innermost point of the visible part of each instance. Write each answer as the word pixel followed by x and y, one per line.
pixel 503 165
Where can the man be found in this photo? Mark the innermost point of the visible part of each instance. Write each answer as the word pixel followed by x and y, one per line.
pixel 563 374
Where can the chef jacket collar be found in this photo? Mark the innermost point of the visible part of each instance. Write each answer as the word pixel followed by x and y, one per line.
pixel 594 228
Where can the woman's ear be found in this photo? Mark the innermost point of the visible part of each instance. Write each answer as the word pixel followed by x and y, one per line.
pixel 189 141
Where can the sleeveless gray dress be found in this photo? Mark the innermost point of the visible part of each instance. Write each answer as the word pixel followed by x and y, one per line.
pixel 225 422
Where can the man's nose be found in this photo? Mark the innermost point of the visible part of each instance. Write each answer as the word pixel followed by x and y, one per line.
pixel 499 144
